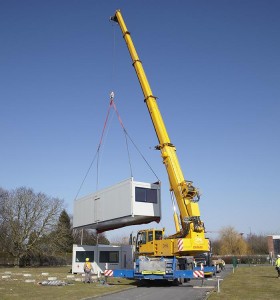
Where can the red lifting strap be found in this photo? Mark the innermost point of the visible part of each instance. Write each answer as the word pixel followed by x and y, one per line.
pixel 111 104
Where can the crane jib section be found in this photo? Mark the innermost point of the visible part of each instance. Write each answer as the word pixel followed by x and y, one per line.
pixel 185 193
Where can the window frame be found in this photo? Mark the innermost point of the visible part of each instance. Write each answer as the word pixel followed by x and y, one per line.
pixel 146 195
pixel 108 257
pixel 81 256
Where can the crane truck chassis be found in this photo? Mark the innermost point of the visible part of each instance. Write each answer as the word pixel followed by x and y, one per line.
pixel 177 269
pixel 171 258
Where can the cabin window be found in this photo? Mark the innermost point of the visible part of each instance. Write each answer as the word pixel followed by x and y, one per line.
pixel 143 238
pixel 82 255
pixel 145 195
pixel 109 256
pixel 150 236
pixel 158 235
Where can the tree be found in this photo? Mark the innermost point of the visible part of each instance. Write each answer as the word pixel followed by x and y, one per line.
pixel 216 246
pixel 3 226
pixel 257 243
pixel 26 217
pixel 62 237
pixel 121 240
pixel 232 242
pixel 89 237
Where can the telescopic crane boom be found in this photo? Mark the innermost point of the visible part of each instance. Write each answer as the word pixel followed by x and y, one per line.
pixel 189 227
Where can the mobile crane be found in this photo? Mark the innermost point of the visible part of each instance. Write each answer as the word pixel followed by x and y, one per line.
pixel 168 258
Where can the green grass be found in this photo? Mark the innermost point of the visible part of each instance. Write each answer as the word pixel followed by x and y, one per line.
pixel 15 287
pixel 250 283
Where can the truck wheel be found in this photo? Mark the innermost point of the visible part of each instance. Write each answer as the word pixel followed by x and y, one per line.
pixel 178 281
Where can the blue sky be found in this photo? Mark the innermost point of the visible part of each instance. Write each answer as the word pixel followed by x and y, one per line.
pixel 214 66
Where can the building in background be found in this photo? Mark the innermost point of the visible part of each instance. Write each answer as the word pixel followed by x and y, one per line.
pixel 273 245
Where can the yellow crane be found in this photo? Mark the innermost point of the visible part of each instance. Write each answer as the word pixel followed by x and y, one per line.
pixel 171 258
pixel 189 238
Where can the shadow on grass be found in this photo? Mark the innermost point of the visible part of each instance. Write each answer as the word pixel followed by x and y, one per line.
pixel 269 276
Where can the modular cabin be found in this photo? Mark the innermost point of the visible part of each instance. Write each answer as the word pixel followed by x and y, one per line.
pixel 126 203
pixel 102 256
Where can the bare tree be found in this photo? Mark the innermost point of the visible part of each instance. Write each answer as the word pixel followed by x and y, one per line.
pixel 232 242
pixel 120 240
pixel 25 218
pixel 257 243
pixel 89 237
pixel 216 246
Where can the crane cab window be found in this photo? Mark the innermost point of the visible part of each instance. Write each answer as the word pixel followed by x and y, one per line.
pixel 158 235
pixel 142 238
pixel 145 195
pixel 150 236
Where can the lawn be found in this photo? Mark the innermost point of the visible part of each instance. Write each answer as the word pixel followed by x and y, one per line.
pixel 250 283
pixel 26 283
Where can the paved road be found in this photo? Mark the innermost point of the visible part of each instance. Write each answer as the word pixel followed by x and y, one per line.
pixel 192 290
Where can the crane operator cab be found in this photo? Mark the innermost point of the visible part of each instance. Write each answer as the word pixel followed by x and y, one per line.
pixel 149 242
